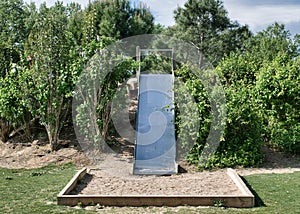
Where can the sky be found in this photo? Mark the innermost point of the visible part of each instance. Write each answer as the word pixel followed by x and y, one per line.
pixel 257 14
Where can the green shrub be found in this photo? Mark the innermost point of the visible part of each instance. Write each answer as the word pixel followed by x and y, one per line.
pixel 278 93
pixel 96 88
pixel 193 114
pixel 241 142
pixel 13 112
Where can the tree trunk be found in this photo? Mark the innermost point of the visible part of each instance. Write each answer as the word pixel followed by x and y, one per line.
pixel 53 134
pixel 5 129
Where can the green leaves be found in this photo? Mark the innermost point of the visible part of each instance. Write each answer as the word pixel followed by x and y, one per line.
pixel 268 69
pixel 13 111
pixel 116 19
pixel 49 48
pixel 193 114
pixel 278 95
pixel 13 33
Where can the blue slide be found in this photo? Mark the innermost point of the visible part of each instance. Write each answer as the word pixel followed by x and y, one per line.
pixel 155 147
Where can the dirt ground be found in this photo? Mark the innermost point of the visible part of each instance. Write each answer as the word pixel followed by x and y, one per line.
pixel 38 154
pixel 274 162
pixel 35 155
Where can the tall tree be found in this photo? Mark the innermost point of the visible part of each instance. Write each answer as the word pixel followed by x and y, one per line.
pixel 13 33
pixel 49 84
pixel 245 64
pixel 116 19
pixel 266 45
pixel 205 24
pixel 142 21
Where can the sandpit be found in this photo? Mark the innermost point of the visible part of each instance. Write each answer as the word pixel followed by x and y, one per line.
pixel 119 187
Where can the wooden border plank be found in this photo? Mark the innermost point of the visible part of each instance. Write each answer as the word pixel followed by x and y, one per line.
pixel 72 183
pixel 171 201
pixel 239 182
pixel 241 185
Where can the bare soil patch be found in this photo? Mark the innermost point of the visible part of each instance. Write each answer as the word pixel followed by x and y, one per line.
pixel 274 162
pixel 35 155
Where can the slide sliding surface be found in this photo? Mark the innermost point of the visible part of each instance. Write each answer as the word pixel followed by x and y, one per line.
pixel 155 147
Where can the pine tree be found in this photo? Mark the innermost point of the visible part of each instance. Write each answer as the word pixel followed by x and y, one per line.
pixel 206 25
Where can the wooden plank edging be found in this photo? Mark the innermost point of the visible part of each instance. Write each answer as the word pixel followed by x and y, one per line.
pixel 156 200
pixel 239 182
pixel 241 185
pixel 72 183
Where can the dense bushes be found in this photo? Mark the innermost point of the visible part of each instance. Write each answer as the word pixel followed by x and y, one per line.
pixel 278 92
pixel 262 106
pixel 12 108
pixel 242 140
pixel 43 52
pixel 193 113
pixel 262 96
pixel 41 66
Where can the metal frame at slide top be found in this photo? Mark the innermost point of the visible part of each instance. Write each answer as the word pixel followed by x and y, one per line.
pixel 155 146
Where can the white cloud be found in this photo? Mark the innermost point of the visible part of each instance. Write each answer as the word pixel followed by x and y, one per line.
pixel 257 14
pixel 260 16
pixel 164 10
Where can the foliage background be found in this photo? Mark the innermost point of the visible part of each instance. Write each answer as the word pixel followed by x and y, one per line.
pixel 44 50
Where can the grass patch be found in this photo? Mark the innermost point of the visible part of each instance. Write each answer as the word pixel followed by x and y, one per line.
pixel 35 191
pixel 280 193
